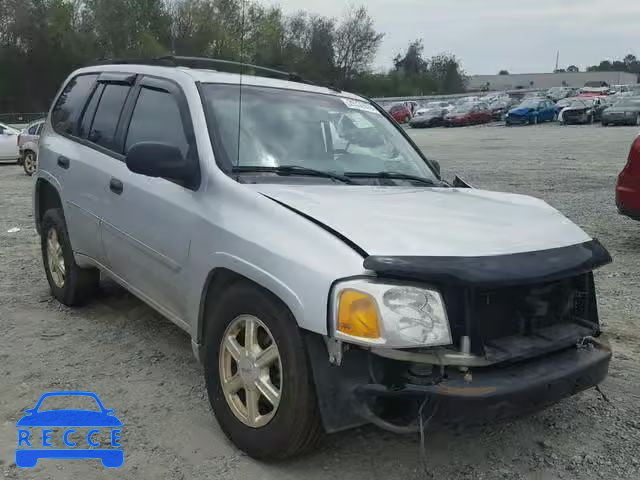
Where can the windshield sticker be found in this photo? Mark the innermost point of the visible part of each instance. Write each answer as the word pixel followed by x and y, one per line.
pixel 358 105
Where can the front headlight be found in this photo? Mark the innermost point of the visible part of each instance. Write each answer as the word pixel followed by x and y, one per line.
pixel 367 312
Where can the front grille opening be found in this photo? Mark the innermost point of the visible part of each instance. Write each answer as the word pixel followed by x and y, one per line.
pixel 540 311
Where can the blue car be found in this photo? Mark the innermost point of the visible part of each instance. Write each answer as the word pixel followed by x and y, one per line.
pixel 532 111
pixel 67 419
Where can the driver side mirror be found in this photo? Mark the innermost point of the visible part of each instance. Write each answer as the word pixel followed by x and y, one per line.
pixel 156 159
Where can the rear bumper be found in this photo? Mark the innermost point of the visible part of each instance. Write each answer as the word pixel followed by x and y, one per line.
pixel 494 393
pixel 628 196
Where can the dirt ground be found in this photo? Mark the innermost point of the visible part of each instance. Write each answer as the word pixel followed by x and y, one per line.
pixel 141 365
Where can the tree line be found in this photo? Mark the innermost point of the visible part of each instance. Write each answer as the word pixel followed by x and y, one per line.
pixel 42 41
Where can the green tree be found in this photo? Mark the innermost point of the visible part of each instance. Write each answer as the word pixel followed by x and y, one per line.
pixel 356 44
pixel 412 62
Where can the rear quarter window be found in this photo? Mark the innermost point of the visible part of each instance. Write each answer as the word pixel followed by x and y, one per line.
pixel 70 103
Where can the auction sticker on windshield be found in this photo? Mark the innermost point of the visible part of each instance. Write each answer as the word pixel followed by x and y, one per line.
pixel 358 105
pixel 54 429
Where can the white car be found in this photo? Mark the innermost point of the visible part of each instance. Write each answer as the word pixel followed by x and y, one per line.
pixel 28 146
pixel 8 144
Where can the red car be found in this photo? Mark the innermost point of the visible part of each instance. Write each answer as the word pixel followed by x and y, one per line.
pixel 628 186
pixel 468 114
pixel 400 113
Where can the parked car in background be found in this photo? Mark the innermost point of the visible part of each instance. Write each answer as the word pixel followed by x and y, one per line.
pixel 582 110
pixel 435 105
pixel 8 144
pixel 617 89
pixel 558 93
pixel 468 114
pixel 596 87
pixel 531 111
pixel 624 112
pixel 628 185
pixel 412 106
pixel 28 146
pixel 500 106
pixel 400 113
pixel 431 117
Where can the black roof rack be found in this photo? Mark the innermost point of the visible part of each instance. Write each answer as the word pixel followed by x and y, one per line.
pixel 212 64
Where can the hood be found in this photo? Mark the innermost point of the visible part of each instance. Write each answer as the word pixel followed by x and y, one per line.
pixel 520 111
pixel 430 221
pixel 427 115
pixel 576 109
pixel 622 109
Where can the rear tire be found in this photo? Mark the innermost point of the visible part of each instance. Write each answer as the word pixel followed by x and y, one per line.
pixel 70 284
pixel 30 162
pixel 294 426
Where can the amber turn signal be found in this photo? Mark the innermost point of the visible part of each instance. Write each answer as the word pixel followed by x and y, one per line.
pixel 358 314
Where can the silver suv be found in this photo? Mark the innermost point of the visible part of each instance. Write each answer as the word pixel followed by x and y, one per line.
pixel 327 275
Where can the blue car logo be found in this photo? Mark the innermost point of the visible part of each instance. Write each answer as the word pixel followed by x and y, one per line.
pixel 28 452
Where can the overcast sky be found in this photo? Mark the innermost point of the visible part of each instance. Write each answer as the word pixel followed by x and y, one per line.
pixel 521 36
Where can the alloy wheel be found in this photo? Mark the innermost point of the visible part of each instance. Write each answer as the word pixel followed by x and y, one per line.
pixel 30 162
pixel 250 371
pixel 55 258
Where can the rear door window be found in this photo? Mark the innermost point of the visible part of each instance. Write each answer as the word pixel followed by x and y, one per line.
pixel 68 108
pixel 105 122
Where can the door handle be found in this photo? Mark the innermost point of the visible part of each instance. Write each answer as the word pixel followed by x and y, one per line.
pixel 116 186
pixel 63 162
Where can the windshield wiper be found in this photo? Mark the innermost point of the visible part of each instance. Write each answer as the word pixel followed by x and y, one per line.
pixel 295 170
pixel 395 176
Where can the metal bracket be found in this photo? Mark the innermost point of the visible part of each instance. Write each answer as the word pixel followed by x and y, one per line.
pixel 336 349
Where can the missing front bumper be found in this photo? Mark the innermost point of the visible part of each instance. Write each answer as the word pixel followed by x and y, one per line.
pixel 490 393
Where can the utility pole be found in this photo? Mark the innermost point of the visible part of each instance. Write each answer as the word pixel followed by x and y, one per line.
pixel 557 60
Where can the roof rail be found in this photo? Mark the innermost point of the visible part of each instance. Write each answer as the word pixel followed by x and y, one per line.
pixel 210 64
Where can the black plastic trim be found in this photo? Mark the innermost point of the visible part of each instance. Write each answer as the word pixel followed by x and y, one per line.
pixel 498 270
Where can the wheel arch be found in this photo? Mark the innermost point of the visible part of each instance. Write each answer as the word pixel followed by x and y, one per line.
pixel 46 196
pixel 221 277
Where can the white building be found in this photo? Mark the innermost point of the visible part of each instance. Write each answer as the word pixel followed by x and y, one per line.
pixel 548 80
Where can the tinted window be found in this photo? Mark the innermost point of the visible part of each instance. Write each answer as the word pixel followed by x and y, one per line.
pixel 105 122
pixel 89 112
pixel 156 118
pixel 70 103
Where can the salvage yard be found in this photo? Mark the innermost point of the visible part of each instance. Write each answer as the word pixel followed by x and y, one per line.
pixel 142 366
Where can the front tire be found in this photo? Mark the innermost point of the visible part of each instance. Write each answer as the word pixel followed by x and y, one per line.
pixel 70 284
pixel 30 162
pixel 258 376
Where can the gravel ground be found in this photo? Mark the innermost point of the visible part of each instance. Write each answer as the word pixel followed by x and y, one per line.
pixel 141 364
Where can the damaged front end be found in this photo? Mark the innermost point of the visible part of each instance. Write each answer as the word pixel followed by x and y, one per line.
pixel 525 333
